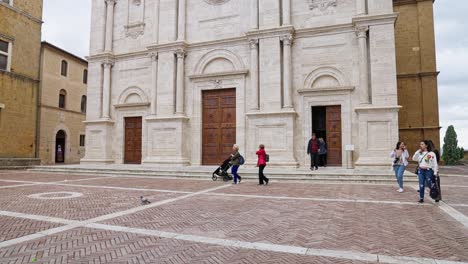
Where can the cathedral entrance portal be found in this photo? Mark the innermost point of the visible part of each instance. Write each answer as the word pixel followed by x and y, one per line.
pixel 326 124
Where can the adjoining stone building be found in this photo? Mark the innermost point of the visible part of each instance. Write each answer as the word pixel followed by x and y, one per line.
pixel 417 72
pixel 178 82
pixel 20 44
pixel 64 78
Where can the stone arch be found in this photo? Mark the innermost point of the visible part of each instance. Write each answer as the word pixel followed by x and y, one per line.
pixel 52 146
pixel 133 95
pixel 325 77
pixel 218 57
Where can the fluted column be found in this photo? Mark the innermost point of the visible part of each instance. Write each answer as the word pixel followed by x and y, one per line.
pixel 106 90
pixel 180 82
pixel 286 12
pixel 287 70
pixel 154 81
pixel 361 7
pixel 364 94
pixel 254 74
pixel 181 22
pixel 254 14
pixel 109 25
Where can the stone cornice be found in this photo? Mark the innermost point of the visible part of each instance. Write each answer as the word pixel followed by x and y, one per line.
pixel 166 118
pixel 373 20
pixel 278 113
pixel 100 121
pixel 377 108
pixel 326 30
pixel 146 104
pixel 62 109
pixel 347 89
pixel 270 32
pixel 170 46
pixel 19 76
pixel 104 57
pixel 21 12
pixel 219 74
pixel 409 2
pixel 418 75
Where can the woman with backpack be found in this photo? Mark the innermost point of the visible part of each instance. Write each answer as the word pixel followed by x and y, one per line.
pixel 261 164
pixel 427 166
pixel 235 162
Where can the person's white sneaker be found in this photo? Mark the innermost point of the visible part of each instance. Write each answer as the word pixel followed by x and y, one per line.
pixel 400 190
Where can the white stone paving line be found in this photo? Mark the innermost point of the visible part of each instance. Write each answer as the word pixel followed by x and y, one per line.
pixel 340 254
pixel 313 199
pixel 455 186
pixel 455 214
pixel 18 185
pixel 459 205
pixel 122 188
pixel 75 224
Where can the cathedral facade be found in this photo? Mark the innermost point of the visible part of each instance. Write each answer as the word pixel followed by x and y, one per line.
pixel 179 82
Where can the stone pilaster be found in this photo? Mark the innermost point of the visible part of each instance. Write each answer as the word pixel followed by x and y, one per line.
pixel 364 91
pixel 286 5
pixel 254 74
pixel 254 14
pixel 106 90
pixel 154 82
pixel 109 25
pixel 180 82
pixel 287 71
pixel 181 22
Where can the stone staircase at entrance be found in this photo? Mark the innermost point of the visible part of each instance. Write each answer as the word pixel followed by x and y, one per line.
pixel 329 174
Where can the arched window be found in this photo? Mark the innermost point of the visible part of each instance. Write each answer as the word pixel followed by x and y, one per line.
pixel 64 68
pixel 62 98
pixel 85 76
pixel 83 104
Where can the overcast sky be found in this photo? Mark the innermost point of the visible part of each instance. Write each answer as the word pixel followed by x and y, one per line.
pixel 67 25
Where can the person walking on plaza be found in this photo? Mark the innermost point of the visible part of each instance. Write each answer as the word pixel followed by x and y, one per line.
pixel 312 150
pixel 427 166
pixel 235 162
pixel 436 179
pixel 400 157
pixel 322 152
pixel 261 164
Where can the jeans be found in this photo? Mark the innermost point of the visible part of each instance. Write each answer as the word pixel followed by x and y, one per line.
pixel 399 171
pixel 261 176
pixel 424 177
pixel 313 160
pixel 234 173
pixel 322 159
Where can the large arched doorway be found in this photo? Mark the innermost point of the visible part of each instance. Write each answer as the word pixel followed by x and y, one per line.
pixel 60 139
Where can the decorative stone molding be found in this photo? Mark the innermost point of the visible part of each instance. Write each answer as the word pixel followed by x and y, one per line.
pixel 287 39
pixel 326 71
pixel 216 2
pixel 270 32
pixel 373 20
pixel 323 7
pixel 361 31
pixel 253 43
pixel 153 56
pixel 123 98
pixel 111 2
pixel 217 54
pixel 135 30
pixel 218 84
pixel 180 53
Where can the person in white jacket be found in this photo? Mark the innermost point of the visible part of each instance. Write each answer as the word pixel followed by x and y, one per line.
pixel 427 166
pixel 400 157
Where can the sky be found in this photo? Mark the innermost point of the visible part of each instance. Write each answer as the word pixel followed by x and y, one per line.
pixel 67 25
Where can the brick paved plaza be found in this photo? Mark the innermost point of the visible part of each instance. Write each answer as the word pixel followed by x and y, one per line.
pixel 56 218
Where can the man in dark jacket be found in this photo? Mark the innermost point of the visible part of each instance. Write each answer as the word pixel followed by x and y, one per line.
pixel 312 150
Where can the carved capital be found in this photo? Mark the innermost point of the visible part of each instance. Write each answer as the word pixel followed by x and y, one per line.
pixel 361 31
pixel 110 2
pixel 253 43
pixel 107 64
pixel 180 53
pixel 287 39
pixel 153 56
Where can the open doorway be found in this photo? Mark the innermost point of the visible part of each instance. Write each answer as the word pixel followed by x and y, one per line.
pixel 60 139
pixel 326 124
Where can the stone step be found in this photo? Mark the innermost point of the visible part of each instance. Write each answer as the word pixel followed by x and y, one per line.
pixel 280 175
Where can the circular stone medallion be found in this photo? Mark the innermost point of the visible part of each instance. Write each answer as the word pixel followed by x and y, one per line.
pixel 55 195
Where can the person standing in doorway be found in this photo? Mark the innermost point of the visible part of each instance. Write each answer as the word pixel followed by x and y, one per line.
pixel 427 166
pixel 312 150
pixel 261 164
pixel 235 160
pixel 400 157
pixel 322 152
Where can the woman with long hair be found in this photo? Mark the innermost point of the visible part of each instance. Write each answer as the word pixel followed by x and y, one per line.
pixel 400 157
pixel 427 166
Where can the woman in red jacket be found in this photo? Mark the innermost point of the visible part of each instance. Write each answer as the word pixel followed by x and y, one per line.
pixel 261 163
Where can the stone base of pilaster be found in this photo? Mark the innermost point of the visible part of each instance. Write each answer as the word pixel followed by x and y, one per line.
pixel 99 140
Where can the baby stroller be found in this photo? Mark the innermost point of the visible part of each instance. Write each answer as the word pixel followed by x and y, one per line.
pixel 221 171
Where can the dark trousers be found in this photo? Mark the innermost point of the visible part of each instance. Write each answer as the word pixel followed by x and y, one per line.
pixel 261 176
pixel 314 160
pixel 322 159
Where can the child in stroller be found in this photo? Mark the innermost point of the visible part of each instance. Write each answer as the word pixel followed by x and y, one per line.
pixel 221 171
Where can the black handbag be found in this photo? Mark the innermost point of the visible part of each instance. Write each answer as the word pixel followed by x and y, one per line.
pixel 267 158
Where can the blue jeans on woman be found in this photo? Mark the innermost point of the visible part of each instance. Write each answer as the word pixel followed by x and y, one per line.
pixel 234 173
pixel 424 177
pixel 399 171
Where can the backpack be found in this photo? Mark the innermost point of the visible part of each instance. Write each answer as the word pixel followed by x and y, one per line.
pixel 267 158
pixel 241 160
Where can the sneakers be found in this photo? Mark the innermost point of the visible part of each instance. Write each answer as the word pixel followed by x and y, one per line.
pixel 400 190
pixel 421 201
